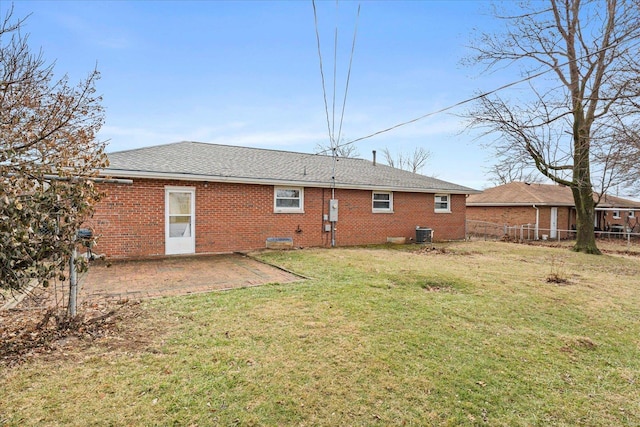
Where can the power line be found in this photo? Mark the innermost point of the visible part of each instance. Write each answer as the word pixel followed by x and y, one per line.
pixel 324 89
pixel 335 73
pixel 474 98
pixel 346 89
pixel 331 124
pixel 331 121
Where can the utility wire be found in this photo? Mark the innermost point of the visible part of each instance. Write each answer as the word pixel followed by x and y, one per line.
pixel 331 120
pixel 346 89
pixel 331 126
pixel 324 89
pixel 474 98
pixel 335 74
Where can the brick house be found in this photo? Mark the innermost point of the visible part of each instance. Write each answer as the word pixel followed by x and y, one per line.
pixel 548 208
pixel 189 197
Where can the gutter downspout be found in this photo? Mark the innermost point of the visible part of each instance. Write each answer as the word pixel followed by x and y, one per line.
pixel 537 220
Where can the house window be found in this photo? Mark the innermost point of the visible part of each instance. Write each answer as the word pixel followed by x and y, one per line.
pixel 632 214
pixel 616 214
pixel 382 202
pixel 288 199
pixel 442 203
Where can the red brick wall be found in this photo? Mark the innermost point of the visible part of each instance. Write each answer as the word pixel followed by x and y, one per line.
pixel 358 225
pixel 519 215
pixel 236 217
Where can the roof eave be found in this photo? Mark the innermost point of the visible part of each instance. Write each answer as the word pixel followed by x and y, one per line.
pixel 272 181
pixel 525 204
pixel 609 207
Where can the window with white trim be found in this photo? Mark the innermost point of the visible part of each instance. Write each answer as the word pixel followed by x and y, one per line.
pixel 616 214
pixel 382 201
pixel 632 214
pixel 442 203
pixel 288 199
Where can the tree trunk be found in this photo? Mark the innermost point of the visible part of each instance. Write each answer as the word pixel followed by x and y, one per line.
pixel 585 234
pixel 581 187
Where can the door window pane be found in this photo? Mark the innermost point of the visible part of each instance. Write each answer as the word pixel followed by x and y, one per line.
pixel 180 226
pixel 179 203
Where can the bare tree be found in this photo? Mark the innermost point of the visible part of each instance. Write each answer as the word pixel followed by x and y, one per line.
pixel 506 172
pixel 48 155
pixel 626 157
pixel 412 162
pixel 581 60
pixel 511 168
pixel 341 150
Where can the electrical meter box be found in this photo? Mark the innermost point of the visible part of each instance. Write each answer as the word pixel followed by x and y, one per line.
pixel 333 210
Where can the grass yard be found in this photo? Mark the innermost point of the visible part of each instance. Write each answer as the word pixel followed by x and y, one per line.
pixel 470 334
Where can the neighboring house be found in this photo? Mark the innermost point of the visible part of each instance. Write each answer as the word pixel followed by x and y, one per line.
pixel 549 208
pixel 190 197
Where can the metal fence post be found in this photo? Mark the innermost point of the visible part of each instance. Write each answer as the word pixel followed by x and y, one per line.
pixel 73 285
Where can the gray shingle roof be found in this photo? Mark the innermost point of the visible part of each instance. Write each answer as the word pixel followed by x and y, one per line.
pixel 212 162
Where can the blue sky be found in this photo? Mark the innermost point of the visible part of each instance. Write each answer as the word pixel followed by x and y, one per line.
pixel 247 73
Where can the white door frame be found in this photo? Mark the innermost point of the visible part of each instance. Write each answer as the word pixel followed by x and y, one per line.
pixel 185 243
pixel 553 223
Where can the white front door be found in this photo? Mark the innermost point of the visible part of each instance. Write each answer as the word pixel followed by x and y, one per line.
pixel 180 232
pixel 553 226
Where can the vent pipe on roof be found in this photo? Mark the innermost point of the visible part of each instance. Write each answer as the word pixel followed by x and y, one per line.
pixel 374 157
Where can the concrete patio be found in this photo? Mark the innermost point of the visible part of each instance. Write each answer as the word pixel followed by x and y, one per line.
pixel 181 275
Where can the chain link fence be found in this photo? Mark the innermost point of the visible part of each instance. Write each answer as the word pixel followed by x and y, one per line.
pixel 482 230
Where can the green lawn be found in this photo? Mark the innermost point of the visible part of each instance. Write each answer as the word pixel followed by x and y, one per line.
pixel 473 334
